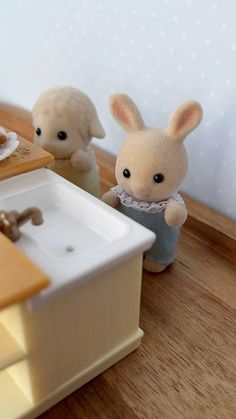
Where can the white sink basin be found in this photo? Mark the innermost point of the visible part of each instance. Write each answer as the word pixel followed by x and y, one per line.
pixel 81 236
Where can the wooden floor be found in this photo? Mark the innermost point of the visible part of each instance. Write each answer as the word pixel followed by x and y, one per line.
pixel 186 364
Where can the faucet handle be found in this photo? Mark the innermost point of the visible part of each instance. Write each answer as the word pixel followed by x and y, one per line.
pixel 10 221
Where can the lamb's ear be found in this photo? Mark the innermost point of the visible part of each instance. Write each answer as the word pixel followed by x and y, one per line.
pixel 183 120
pixel 95 128
pixel 126 112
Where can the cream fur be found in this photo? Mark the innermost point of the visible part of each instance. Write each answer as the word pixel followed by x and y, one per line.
pixel 146 153
pixel 72 111
pixel 184 120
pixel 153 266
pixel 150 151
pixel 126 112
pixel 111 199
pixel 175 215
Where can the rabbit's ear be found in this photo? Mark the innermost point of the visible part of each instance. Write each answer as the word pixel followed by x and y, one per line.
pixel 126 112
pixel 183 120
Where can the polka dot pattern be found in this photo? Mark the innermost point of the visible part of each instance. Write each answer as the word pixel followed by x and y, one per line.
pixel 160 53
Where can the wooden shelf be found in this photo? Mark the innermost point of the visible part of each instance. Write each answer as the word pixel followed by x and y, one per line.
pixel 20 278
pixel 10 350
pixel 13 402
pixel 27 157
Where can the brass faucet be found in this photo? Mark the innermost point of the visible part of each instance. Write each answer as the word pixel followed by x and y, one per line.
pixel 10 221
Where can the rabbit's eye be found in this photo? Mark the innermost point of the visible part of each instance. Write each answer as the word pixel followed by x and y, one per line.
pixel 126 173
pixel 62 135
pixel 158 178
pixel 38 131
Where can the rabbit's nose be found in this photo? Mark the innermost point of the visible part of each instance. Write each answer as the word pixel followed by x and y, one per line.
pixel 141 193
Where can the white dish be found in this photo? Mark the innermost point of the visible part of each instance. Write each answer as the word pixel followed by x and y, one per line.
pixel 11 145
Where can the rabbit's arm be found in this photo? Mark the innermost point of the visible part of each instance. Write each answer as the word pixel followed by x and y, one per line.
pixel 83 159
pixel 175 214
pixel 111 199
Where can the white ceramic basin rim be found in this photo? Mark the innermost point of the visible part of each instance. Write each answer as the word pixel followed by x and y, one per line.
pixel 81 236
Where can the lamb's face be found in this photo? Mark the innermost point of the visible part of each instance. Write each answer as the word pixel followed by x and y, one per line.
pixel 150 167
pixel 57 134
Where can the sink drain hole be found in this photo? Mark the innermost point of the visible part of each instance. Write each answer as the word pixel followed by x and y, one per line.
pixel 70 248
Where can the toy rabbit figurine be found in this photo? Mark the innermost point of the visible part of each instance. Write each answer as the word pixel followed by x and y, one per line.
pixel 65 121
pixel 150 168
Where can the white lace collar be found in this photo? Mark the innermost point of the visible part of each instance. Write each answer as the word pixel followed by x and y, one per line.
pixel 148 207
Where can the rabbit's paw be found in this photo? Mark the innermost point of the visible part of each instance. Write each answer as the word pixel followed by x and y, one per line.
pixel 111 199
pixel 175 214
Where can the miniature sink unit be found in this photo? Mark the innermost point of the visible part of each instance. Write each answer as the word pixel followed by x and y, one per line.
pixel 88 317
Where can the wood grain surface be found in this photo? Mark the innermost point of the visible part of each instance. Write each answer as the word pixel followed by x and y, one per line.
pixel 19 277
pixel 27 157
pixel 186 364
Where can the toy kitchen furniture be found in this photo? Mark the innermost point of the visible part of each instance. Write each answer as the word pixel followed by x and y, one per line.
pixel 87 319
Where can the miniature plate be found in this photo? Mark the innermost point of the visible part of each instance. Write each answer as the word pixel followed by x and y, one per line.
pixel 11 145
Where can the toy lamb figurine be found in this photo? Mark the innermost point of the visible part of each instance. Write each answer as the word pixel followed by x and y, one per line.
pixel 150 168
pixel 65 121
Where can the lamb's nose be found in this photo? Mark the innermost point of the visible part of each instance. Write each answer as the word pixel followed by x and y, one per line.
pixel 46 146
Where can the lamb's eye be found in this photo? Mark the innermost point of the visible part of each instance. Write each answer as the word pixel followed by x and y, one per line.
pixel 62 135
pixel 126 173
pixel 158 178
pixel 38 131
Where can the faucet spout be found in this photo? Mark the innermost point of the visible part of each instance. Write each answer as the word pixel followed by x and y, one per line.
pixel 33 213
